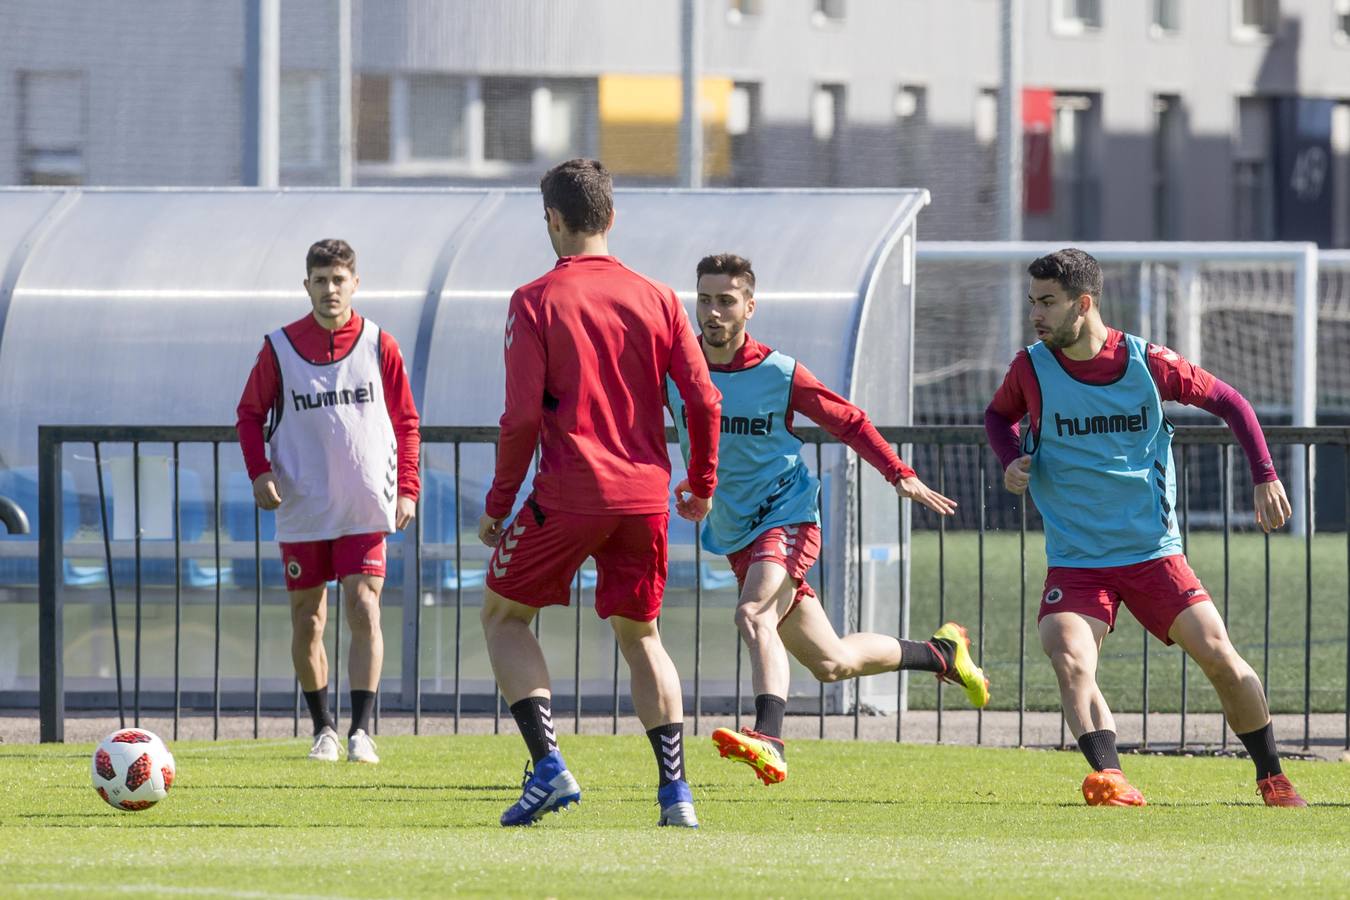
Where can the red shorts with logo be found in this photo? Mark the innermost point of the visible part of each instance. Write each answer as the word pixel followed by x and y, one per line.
pixel 794 547
pixel 309 564
pixel 539 553
pixel 1155 592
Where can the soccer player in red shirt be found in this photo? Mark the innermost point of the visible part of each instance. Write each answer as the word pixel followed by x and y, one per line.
pixel 1098 463
pixel 588 348
pixel 767 523
pixel 333 393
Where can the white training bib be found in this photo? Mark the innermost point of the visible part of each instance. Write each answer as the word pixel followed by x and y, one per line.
pixel 333 447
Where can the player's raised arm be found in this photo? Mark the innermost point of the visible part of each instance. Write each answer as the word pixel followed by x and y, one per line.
pixel 850 425
pixel 1180 380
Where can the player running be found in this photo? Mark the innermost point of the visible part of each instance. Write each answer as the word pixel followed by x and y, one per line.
pixel 767 523
pixel 333 392
pixel 588 349
pixel 1098 462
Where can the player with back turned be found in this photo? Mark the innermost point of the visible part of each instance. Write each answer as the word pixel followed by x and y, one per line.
pixel 1097 459
pixel 588 348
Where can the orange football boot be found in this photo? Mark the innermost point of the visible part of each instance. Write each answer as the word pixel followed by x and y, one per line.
pixel 1110 788
pixel 1277 791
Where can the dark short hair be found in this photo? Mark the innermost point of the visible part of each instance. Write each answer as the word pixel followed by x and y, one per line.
pixel 1076 271
pixel 582 191
pixel 728 264
pixel 330 252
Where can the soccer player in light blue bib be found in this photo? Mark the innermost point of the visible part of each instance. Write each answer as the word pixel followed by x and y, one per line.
pixel 765 520
pixel 1097 459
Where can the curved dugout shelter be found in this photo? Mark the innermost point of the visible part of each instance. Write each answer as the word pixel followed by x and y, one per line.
pixel 148 307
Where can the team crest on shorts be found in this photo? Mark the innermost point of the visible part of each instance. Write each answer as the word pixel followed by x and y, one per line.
pixel 1053 596
pixel 293 568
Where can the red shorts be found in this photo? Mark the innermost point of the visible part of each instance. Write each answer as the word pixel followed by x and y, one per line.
pixel 794 547
pixel 539 553
pixel 1155 592
pixel 309 564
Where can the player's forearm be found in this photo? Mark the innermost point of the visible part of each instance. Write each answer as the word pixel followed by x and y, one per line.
pixel 251 444
pixel 409 438
pixel 516 443
pixel 1224 401
pixel 873 449
pixel 704 431
pixel 1004 437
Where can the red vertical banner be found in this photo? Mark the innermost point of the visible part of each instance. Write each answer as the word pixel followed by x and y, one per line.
pixel 1038 116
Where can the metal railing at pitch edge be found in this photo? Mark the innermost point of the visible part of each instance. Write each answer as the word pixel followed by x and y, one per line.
pixel 936 441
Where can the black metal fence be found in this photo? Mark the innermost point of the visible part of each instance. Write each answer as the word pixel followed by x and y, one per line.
pixel 933 446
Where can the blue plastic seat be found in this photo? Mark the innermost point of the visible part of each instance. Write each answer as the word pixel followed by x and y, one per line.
pixel 194 511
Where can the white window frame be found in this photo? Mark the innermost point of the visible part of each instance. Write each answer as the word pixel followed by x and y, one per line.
pixel 1065 22
pixel 1340 22
pixel 820 18
pixel 737 16
pixel 1158 31
pixel 1246 33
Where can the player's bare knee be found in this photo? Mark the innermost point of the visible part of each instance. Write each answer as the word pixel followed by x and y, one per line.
pixel 308 624
pixel 752 621
pixel 828 671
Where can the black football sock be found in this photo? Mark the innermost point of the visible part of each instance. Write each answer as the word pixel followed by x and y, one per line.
pixel 668 745
pixel 927 656
pixel 769 710
pixel 1261 745
pixel 534 718
pixel 317 701
pixel 362 703
pixel 1100 749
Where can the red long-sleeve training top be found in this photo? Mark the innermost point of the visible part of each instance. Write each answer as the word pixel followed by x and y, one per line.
pixel 588 347
pixel 811 398
pixel 262 392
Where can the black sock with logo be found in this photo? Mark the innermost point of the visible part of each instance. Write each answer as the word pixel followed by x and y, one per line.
pixel 668 745
pixel 534 718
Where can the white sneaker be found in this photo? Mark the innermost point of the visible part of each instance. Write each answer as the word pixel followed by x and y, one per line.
pixel 360 748
pixel 325 747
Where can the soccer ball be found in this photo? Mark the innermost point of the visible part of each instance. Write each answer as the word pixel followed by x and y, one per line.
pixel 132 769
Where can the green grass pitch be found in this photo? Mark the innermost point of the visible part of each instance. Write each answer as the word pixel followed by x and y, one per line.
pixel 255 819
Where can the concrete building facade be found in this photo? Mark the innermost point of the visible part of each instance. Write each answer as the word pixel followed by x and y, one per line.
pixel 1144 119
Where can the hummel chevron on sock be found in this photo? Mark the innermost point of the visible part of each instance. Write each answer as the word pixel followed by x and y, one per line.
pixel 668 745
pixel 534 718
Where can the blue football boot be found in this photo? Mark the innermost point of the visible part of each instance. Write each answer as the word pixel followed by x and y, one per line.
pixel 677 805
pixel 549 787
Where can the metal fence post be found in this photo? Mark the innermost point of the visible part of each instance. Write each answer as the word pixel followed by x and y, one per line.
pixel 51 634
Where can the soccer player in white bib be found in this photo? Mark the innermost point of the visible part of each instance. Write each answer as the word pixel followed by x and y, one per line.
pixel 333 394
pixel 1098 462
pixel 765 520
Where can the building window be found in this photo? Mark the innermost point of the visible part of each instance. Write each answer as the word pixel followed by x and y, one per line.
pixel 1253 19
pixel 434 125
pixel 985 126
pixel 371 118
pixel 738 11
pixel 1342 16
pixel 1076 16
pixel 1169 136
pixel 508 107
pixel 827 127
pixel 828 12
pixel 302 120
pixel 52 127
pixel 562 120
pixel 911 121
pixel 743 117
pixel 1075 162
pixel 1253 173
pixel 1166 17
